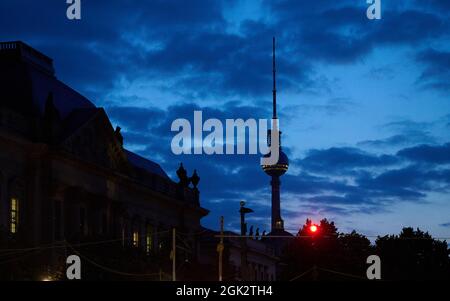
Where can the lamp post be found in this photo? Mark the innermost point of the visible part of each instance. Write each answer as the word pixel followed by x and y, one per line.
pixel 243 210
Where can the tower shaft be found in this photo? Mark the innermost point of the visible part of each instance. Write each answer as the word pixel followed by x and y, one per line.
pixel 277 222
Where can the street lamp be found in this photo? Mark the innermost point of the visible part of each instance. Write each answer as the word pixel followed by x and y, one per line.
pixel 243 211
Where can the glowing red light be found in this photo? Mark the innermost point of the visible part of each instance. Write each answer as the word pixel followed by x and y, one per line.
pixel 313 228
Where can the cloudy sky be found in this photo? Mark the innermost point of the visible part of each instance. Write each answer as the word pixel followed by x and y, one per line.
pixel 364 105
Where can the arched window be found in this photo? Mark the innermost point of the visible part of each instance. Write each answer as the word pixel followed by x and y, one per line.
pixel 126 230
pixel 15 192
pixel 136 229
pixel 14 215
pixel 149 239
pixel 135 238
pixel 122 229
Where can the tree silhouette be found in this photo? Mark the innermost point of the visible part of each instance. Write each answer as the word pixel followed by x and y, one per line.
pixel 414 255
pixel 411 255
pixel 326 249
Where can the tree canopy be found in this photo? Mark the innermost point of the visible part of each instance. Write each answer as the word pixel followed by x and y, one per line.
pixel 326 254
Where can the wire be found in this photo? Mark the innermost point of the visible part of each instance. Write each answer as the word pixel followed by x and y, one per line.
pixel 193 233
pixel 109 269
pixel 19 257
pixel 302 274
pixel 342 274
pixel 56 244
pixel 8 252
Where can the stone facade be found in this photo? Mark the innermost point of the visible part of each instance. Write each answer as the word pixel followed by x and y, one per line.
pixel 65 174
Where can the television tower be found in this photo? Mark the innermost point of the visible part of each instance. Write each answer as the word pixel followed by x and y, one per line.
pixel 275 171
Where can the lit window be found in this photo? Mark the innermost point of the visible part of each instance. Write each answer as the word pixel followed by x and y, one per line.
pixel 135 238
pixel 149 239
pixel 14 215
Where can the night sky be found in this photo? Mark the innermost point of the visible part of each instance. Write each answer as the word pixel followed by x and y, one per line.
pixel 364 105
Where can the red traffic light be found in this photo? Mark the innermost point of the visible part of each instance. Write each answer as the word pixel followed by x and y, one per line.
pixel 313 228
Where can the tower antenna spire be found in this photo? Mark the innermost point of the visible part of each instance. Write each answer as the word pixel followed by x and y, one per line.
pixel 275 171
pixel 274 91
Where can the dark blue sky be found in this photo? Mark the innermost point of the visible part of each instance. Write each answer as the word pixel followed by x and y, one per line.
pixel 364 105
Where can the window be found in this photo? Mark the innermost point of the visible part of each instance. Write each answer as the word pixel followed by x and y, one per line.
pixel 135 238
pixel 14 215
pixel 149 239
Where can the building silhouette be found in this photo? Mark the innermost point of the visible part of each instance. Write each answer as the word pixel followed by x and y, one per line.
pixel 67 179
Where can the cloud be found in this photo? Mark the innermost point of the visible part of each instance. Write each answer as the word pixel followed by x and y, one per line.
pixel 189 47
pixel 409 182
pixel 100 49
pixel 136 118
pixel 400 140
pixel 436 6
pixel 406 133
pixel 381 73
pixel 437 69
pixel 331 107
pixel 339 32
pixel 342 159
pixel 439 154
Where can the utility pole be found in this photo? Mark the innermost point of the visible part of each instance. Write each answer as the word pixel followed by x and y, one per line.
pixel 244 268
pixel 220 248
pixel 174 254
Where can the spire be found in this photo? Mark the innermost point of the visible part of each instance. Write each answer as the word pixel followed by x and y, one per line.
pixel 274 91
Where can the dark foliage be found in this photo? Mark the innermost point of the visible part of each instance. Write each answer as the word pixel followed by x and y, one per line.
pixel 329 255
pixel 413 255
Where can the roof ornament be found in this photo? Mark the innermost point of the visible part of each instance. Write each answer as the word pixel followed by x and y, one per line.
pixel 195 179
pixel 119 135
pixel 182 175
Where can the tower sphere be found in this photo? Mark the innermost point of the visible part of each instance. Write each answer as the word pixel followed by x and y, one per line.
pixel 279 168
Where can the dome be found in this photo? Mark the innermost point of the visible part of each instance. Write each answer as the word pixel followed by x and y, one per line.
pixel 279 168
